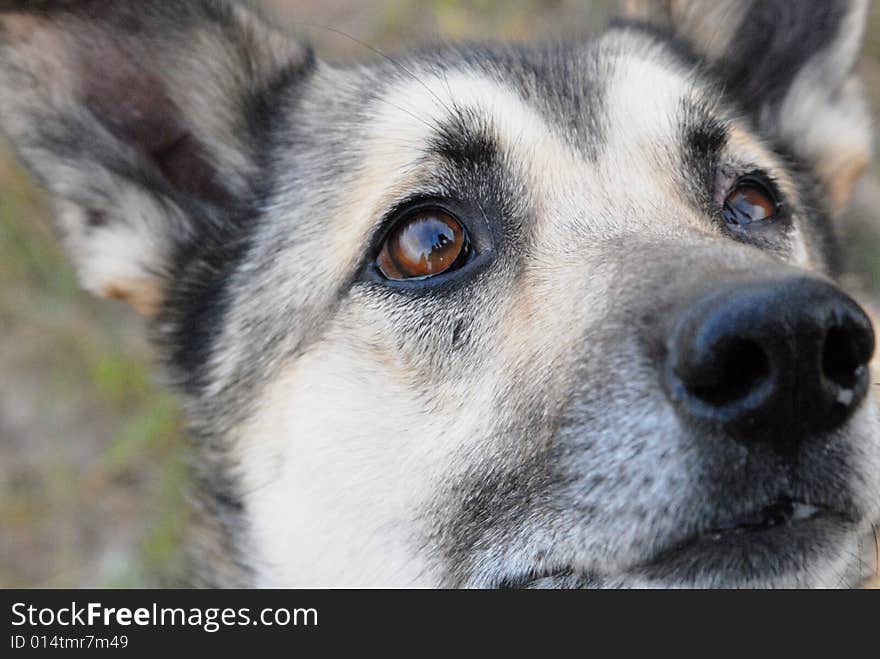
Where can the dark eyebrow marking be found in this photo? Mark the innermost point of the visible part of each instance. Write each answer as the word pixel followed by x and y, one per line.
pixel 703 137
pixel 467 140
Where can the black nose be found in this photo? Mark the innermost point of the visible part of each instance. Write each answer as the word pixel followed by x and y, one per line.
pixel 773 361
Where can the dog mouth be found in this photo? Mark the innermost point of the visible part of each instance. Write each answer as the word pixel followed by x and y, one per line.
pixel 780 513
pixel 751 549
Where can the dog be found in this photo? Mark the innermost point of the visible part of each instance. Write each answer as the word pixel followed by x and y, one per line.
pixel 481 315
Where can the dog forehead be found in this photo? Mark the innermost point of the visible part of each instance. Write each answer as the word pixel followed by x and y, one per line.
pixel 618 120
pixel 568 104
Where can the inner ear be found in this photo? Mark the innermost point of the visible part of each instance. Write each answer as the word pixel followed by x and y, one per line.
pixel 135 107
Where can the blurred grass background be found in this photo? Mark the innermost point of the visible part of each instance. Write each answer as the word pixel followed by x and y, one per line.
pixel 91 450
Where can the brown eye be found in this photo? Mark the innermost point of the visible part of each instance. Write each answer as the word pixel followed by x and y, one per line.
pixel 749 201
pixel 425 244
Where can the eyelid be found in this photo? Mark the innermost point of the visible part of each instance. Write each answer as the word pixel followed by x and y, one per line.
pixel 483 244
pixel 728 177
pixel 399 210
pixel 764 232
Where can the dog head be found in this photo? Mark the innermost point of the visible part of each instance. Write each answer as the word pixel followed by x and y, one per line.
pixel 483 315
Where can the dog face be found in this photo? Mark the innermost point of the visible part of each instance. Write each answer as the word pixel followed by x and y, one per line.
pixel 482 316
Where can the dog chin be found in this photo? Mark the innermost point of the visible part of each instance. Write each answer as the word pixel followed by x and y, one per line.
pixel 813 548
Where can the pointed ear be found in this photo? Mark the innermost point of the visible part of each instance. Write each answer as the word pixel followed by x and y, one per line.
pixel 790 65
pixel 144 120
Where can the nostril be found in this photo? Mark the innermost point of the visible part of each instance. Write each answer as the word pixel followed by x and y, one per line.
pixel 771 362
pixel 743 367
pixel 843 357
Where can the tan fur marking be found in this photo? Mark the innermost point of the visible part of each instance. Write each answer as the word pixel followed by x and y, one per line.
pixel 38 50
pixel 142 294
pixel 19 27
pixel 841 175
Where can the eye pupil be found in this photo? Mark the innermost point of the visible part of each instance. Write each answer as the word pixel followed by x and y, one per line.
pixel 425 244
pixel 749 202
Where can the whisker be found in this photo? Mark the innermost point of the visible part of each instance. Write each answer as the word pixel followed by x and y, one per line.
pixel 421 120
pixel 722 26
pixel 381 54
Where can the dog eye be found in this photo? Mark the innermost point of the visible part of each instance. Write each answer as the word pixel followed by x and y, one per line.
pixel 749 201
pixel 425 244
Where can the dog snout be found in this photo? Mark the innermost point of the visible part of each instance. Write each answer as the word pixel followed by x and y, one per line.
pixel 774 361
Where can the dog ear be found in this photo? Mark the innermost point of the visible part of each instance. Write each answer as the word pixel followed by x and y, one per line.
pixel 143 119
pixel 790 65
